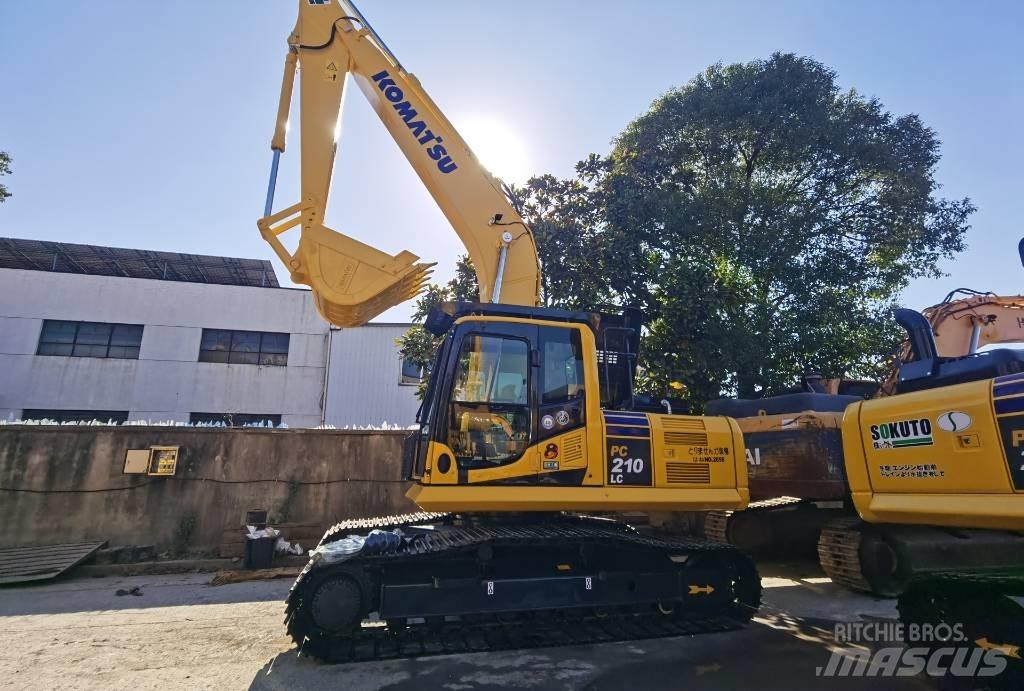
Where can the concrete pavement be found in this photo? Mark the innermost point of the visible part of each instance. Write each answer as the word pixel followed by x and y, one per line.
pixel 182 633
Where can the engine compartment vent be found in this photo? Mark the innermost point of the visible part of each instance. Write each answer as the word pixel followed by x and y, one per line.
pixel 688 473
pixel 682 423
pixel 686 438
pixel 572 448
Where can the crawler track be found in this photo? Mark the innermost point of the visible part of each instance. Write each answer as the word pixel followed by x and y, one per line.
pixel 378 642
pixel 334 611
pixel 716 523
pixel 839 553
pixel 987 608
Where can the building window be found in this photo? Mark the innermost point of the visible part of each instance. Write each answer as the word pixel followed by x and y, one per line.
pixel 412 372
pixel 62 416
pixel 90 339
pixel 235 419
pixel 244 347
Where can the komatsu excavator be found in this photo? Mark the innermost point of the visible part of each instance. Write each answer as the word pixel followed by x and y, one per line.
pixel 930 475
pixel 797 475
pixel 936 476
pixel 528 419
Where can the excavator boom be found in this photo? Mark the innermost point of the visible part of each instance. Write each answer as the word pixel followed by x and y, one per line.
pixel 353 282
pixel 962 326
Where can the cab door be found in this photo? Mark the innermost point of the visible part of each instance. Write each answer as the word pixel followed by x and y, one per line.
pixel 562 410
pixel 489 416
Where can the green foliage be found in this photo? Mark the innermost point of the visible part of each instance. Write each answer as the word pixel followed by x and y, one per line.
pixel 5 169
pixel 417 343
pixel 763 220
pixel 284 511
pixel 184 531
pixel 573 246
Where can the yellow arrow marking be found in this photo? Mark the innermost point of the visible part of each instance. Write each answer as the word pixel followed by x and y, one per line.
pixel 698 589
pixel 1005 648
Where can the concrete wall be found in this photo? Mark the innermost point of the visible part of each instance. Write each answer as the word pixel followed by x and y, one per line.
pixel 364 379
pixel 166 382
pixel 72 485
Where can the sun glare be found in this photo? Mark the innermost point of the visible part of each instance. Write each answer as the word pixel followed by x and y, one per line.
pixel 499 147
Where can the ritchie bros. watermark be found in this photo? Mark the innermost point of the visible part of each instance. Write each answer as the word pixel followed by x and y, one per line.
pixel 910 649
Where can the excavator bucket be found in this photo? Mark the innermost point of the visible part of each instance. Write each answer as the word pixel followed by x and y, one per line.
pixel 352 282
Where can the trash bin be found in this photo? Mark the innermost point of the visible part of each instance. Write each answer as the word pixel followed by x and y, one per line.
pixel 256 518
pixel 259 552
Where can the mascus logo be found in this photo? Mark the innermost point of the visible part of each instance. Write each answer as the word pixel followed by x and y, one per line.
pixel 419 128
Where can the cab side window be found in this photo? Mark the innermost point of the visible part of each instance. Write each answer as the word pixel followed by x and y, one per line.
pixel 489 415
pixel 562 374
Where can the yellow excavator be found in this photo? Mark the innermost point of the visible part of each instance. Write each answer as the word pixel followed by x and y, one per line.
pixel 935 471
pixel 528 419
pixel 936 476
pixel 929 475
pixel 798 476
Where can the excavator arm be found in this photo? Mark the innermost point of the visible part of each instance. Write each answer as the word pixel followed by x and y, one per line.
pixel 964 325
pixel 353 282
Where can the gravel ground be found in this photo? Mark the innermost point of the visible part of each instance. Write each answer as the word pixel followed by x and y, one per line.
pixel 182 633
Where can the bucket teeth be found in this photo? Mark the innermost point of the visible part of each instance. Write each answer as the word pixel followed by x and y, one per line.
pixel 407 286
pixel 353 282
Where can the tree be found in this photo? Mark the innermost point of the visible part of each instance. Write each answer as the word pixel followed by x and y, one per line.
pixel 571 242
pixel 418 344
pixel 5 169
pixel 763 219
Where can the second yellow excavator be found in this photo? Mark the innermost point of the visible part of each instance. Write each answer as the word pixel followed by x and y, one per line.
pixel 529 415
pixel 929 476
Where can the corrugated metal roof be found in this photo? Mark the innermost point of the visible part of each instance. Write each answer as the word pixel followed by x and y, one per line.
pixel 21 564
pixel 65 257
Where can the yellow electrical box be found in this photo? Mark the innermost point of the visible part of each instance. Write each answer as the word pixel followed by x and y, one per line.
pixel 163 460
pixel 136 461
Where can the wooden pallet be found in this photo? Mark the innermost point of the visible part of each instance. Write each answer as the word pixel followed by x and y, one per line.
pixel 22 564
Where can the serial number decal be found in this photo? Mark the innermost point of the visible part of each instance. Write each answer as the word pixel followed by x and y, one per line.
pixel 710 454
pixel 629 462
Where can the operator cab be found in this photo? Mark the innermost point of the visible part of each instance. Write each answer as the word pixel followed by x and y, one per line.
pixel 507 377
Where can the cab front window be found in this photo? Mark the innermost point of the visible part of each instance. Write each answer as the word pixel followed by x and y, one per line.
pixel 489 416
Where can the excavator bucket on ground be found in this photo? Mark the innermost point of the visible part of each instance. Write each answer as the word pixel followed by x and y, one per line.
pixel 351 281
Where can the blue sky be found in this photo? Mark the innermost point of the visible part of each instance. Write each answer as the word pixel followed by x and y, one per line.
pixel 148 124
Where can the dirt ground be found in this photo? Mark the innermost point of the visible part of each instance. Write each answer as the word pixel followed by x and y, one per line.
pixel 182 633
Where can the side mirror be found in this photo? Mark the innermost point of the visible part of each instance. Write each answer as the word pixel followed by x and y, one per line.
pixel 1020 251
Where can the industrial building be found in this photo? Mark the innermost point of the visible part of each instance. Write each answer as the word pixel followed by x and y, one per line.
pixel 111 334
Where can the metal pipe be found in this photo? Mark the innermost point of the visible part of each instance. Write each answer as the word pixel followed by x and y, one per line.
pixel 324 402
pixel 272 186
pixel 975 338
pixel 506 238
pixel 376 36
